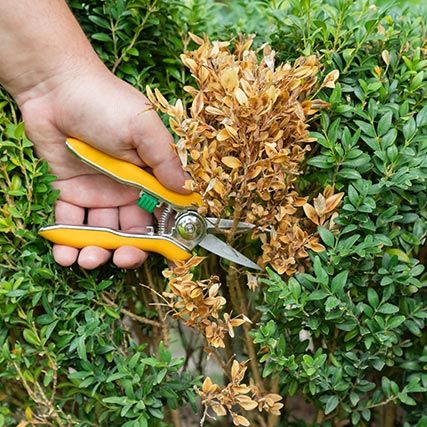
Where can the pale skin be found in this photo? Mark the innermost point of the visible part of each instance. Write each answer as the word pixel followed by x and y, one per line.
pixel 63 89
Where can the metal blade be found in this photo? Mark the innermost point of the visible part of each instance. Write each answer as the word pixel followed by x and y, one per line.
pixel 226 224
pixel 218 247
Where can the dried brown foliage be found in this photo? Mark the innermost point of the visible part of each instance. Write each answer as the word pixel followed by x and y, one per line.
pixel 236 396
pixel 324 206
pixel 244 139
pixel 198 305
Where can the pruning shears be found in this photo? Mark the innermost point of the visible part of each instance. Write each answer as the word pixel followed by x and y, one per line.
pixel 180 228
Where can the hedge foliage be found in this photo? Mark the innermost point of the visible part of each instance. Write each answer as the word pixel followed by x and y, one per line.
pixel 348 337
pixel 363 307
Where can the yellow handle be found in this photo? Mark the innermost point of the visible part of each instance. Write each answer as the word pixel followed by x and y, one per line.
pixel 130 174
pixel 81 236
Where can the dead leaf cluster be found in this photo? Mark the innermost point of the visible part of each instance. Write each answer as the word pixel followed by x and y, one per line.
pixel 324 207
pixel 236 396
pixel 198 304
pixel 244 139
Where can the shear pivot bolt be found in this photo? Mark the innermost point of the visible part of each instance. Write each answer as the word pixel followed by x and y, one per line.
pixel 190 226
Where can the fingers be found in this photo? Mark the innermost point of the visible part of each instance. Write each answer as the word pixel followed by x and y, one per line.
pixel 153 143
pixel 92 257
pixel 133 219
pixel 67 213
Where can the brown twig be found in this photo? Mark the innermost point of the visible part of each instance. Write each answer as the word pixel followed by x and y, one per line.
pixel 140 319
pixel 241 308
pixel 176 417
pixel 163 323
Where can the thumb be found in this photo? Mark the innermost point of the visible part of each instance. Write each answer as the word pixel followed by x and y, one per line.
pixel 153 143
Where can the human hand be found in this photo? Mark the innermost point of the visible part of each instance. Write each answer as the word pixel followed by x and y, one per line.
pixel 93 105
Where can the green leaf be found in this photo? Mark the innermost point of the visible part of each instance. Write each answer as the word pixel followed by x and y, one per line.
pixel 407 400
pixel 326 236
pixel 112 313
pixel 31 337
pixel 102 37
pixel 317 295
pixel 348 173
pixel 396 321
pixel 409 129
pixel 102 22
pixel 331 303
pixel 155 412
pixel 385 123
pixel 366 414
pixel 321 162
pixel 399 253
pixel 355 418
pixel 161 375
pixel 81 348
pixel 338 282
pixel 373 298
pixel 367 128
pixel 388 139
pixel 422 117
pixel 321 274
pixel 388 308
pixel 331 404
pixel 354 398
pixel 119 400
pixel 413 327
pixel 165 354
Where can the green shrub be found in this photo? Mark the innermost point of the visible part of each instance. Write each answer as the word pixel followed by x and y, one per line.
pixel 363 306
pixel 85 348
pixel 68 356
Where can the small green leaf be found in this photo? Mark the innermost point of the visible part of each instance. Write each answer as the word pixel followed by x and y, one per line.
pixel 373 298
pixel 119 400
pixel 409 129
pixel 422 117
pixel 367 128
pixel 321 274
pixel 388 308
pixel 326 236
pixel 385 123
pixel 331 404
pixel 81 348
pixel 407 400
pixel 339 281
pixel 102 37
pixel 331 303
pixel 31 337
pixel 317 295
pixel 354 398
pixel 112 313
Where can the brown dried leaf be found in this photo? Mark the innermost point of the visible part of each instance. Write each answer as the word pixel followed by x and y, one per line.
pixel 385 55
pixel 229 80
pixel 332 202
pixel 330 79
pixel 235 370
pixel 222 135
pixel 197 105
pixel 239 420
pixel 240 96
pixel 311 213
pixel 196 39
pixel 231 162
pixel 246 402
pixel 219 410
